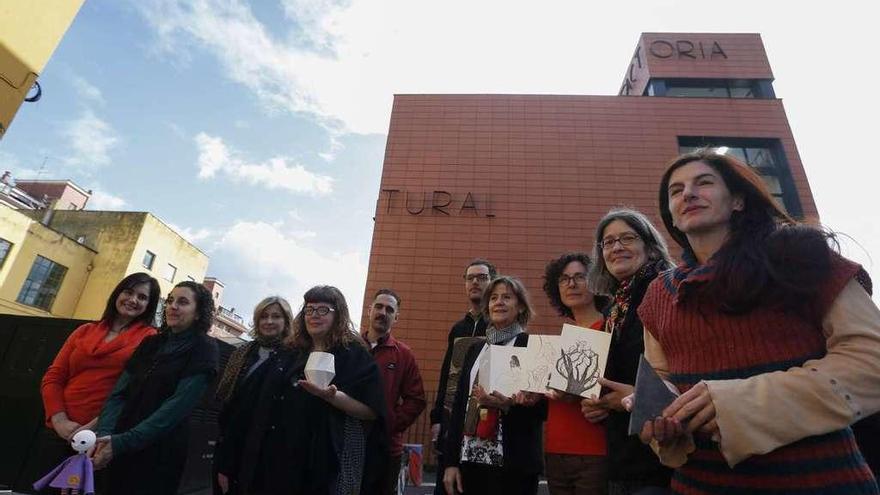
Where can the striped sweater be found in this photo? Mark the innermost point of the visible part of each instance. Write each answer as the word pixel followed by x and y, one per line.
pixel 702 343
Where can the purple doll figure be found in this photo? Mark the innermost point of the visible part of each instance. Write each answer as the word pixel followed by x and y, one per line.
pixel 74 476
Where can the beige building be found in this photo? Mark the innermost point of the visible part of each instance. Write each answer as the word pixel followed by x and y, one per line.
pixel 228 325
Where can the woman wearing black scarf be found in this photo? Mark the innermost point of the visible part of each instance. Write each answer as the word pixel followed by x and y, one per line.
pixel 143 429
pixel 495 442
pixel 322 441
pixel 251 370
pixel 629 254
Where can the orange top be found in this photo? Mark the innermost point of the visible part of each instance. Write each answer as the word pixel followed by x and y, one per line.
pixel 568 432
pixel 86 368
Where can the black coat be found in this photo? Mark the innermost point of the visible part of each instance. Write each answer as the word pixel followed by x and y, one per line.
pixel 300 437
pixel 157 469
pixel 628 458
pixel 522 442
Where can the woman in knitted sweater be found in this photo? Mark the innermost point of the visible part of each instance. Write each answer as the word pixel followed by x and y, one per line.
pixel 769 336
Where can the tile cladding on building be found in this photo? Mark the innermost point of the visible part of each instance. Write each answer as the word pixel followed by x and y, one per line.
pixel 520 179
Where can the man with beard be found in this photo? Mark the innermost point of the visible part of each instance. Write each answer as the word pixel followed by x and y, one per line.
pixel 477 275
pixel 401 379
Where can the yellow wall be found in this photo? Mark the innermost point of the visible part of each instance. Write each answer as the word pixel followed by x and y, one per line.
pixel 30 238
pixel 121 239
pixel 29 32
pixel 169 247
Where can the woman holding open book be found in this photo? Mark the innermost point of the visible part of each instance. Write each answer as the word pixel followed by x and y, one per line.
pixel 494 442
pixel 574 447
pixel 629 254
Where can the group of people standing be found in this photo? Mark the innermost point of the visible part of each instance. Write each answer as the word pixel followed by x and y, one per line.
pixel 769 336
pixel 279 432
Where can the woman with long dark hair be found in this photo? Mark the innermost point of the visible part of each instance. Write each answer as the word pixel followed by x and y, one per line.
pixel 324 440
pixel 768 334
pixel 495 442
pixel 142 428
pixel 251 369
pixel 574 447
pixel 629 253
pixel 85 369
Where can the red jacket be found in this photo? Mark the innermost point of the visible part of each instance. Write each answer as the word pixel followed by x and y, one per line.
pixel 402 384
pixel 86 368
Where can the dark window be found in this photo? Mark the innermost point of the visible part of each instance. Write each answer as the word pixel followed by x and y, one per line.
pixel 710 88
pixel 766 156
pixel 149 259
pixel 42 283
pixel 5 247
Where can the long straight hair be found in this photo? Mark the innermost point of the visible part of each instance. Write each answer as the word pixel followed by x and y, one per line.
pixel 769 257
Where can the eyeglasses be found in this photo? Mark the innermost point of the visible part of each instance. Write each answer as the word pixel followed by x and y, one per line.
pixel 625 240
pixel 577 278
pixel 319 310
pixel 482 277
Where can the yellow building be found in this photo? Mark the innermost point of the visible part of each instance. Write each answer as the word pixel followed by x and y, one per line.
pixel 126 242
pixel 65 263
pixel 42 271
pixel 29 33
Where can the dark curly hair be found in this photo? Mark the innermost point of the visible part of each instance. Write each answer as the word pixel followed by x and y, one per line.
pixel 554 270
pixel 204 307
pixel 129 282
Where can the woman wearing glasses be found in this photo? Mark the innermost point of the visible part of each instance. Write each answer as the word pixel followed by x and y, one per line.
pixel 329 440
pixel 252 371
pixel 574 447
pixel 629 254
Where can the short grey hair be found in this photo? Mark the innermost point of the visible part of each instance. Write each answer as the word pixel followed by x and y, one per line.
pixel 519 289
pixel 601 280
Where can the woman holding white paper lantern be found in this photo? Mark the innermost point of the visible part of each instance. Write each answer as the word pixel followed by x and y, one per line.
pixel 325 438
pixel 495 442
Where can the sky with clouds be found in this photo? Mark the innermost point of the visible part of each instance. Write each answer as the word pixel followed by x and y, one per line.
pixel 257 129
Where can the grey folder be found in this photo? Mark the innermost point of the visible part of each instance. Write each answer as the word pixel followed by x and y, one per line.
pixel 651 397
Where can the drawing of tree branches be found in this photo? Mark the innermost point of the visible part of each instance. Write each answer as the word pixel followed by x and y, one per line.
pixel 579 365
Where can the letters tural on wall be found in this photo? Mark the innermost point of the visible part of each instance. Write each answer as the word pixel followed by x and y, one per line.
pixel 666 49
pixel 436 203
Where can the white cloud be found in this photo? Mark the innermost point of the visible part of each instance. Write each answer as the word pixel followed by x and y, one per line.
pixel 281 263
pixel 102 200
pixel 87 91
pixel 275 173
pixel 194 236
pixel 91 139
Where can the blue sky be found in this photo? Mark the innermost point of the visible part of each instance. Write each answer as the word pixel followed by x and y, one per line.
pixel 258 129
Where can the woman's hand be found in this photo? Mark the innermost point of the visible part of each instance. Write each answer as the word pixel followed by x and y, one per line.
pixel 696 407
pixel 64 427
pixel 88 426
pixel 494 400
pixel 614 400
pixel 103 452
pixel 323 393
pixel 593 410
pixel 663 430
pixel 223 482
pixel 452 481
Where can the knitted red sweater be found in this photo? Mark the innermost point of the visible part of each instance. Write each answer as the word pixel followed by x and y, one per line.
pixel 702 343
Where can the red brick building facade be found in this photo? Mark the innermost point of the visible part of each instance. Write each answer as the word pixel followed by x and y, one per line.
pixel 520 179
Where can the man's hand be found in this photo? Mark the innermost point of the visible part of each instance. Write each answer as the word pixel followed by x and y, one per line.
pixel 103 452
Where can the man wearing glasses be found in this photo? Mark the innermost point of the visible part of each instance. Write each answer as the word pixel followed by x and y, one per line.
pixel 473 326
pixel 401 379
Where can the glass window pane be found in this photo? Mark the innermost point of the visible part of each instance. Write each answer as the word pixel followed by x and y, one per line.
pixel 5 247
pixel 741 92
pixel 698 92
pixel 760 158
pixel 773 184
pixel 149 258
pixel 42 283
